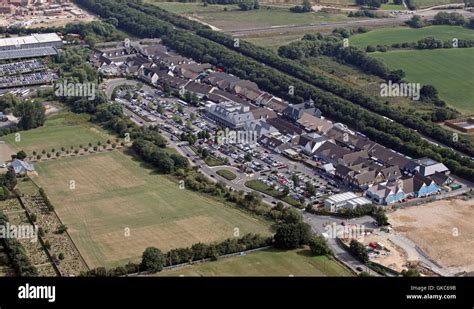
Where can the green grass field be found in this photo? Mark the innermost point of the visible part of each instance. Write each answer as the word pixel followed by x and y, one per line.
pixel 60 130
pixel 115 194
pixel 451 71
pixel 271 262
pixel 226 174
pixel 392 6
pixel 234 18
pixel 388 36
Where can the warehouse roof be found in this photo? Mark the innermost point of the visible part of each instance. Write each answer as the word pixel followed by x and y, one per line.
pixel 30 39
pixel 27 53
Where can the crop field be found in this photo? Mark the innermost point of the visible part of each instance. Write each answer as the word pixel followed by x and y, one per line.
pixel 388 36
pixel 270 262
pixel 451 71
pixel 233 18
pixel 60 130
pixel 119 207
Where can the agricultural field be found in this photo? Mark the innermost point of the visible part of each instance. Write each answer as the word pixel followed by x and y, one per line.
pixel 234 19
pixel 60 130
pixel 119 207
pixel 451 71
pixel 270 262
pixel 388 36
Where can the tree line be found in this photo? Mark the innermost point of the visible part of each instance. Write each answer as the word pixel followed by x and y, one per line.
pixel 16 253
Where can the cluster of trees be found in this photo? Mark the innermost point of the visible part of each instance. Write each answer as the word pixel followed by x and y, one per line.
pixel 359 251
pixel 16 253
pixel 248 5
pixel 375 4
pixel 303 8
pixel 8 180
pixel 158 157
pixel 31 113
pixel 154 260
pixel 370 210
pixel 416 22
pixel 425 43
pixel 313 46
pixel 442 18
pixel 91 32
pixel 452 19
pixel 337 101
pixel 364 13
pixel 292 233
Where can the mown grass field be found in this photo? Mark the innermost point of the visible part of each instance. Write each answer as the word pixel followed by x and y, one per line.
pixel 270 262
pixel 115 194
pixel 234 18
pixel 388 36
pixel 226 174
pixel 451 71
pixel 60 130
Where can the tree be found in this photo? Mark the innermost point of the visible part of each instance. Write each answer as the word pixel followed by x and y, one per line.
pixel 304 8
pixel 152 260
pixel 10 179
pixel 359 251
pixel 291 215
pixel 410 273
pixel 31 115
pixel 292 236
pixel 416 22
pixel 247 5
pixel 319 246
pixel 248 157
pixel 21 155
pixel 310 188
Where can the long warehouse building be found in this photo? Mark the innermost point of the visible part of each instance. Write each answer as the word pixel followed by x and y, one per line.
pixel 30 46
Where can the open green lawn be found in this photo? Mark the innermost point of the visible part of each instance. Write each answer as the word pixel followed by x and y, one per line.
pixel 234 18
pixel 392 6
pixel 451 71
pixel 388 36
pixel 115 194
pixel 60 130
pixel 226 174
pixel 270 262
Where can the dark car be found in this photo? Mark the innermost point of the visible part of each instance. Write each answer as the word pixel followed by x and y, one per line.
pixel 358 268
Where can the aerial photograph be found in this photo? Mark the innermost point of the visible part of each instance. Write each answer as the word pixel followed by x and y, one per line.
pixel 209 144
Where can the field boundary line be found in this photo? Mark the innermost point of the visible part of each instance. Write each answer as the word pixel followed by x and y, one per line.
pixel 172 267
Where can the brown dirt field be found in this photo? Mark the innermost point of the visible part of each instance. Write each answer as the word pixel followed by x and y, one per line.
pixel 396 258
pixel 443 229
pixel 5 153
